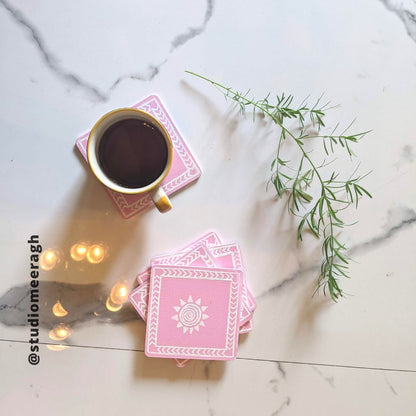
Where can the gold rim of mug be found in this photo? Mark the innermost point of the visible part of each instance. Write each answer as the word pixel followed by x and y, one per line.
pixel 133 191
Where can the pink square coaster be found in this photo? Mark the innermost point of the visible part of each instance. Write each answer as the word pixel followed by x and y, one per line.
pixel 139 298
pixel 210 239
pixel 193 313
pixel 229 256
pixel 200 256
pixel 197 257
pixel 144 276
pixel 247 327
pixel 195 254
pixel 184 168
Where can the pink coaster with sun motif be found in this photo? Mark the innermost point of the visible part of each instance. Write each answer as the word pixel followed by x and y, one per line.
pixel 197 256
pixel 207 251
pixel 184 170
pixel 201 256
pixel 139 297
pixel 193 313
pixel 228 256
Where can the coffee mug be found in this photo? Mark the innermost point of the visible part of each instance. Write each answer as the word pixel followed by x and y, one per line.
pixel 130 151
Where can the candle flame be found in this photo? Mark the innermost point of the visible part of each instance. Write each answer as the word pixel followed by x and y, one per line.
pixel 56 347
pixel 112 307
pixel 59 310
pixel 78 251
pixel 119 293
pixel 60 332
pixel 49 259
pixel 117 297
pixel 96 253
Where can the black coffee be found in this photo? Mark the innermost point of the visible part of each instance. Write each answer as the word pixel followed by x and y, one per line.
pixel 133 153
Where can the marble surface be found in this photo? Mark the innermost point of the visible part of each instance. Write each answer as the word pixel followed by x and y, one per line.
pixel 65 64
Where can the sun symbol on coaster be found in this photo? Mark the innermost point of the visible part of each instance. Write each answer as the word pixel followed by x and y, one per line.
pixel 190 315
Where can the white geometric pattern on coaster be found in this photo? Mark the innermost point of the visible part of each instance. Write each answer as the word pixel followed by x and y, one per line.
pixel 190 315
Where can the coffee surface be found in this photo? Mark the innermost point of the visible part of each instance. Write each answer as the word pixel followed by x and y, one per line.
pixel 133 153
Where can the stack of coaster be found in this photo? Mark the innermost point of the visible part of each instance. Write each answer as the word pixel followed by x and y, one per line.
pixel 196 302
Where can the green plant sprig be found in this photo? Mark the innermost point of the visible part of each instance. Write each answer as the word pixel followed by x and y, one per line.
pixel 320 215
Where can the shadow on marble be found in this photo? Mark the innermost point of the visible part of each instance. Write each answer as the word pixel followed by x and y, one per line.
pixel 86 238
pixel 165 369
pixel 90 221
pixel 309 311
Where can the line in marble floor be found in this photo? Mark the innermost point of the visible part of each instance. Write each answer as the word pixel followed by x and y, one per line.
pixel 264 360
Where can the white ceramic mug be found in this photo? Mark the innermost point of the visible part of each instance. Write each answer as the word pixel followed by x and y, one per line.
pixel 154 189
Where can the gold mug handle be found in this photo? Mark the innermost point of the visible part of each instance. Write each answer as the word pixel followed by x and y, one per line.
pixel 160 199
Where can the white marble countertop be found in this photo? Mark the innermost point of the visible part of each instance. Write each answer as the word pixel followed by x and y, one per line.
pixel 65 64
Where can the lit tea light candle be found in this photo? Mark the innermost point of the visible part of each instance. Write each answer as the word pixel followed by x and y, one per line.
pixel 78 251
pixel 96 253
pixel 112 307
pixel 49 259
pixel 60 332
pixel 119 293
pixel 59 310
pixel 56 347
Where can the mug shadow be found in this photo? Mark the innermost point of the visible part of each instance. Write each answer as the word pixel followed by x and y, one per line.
pixel 90 220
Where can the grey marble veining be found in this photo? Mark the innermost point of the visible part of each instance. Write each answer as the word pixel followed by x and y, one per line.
pixel 49 58
pixel 280 378
pixel 75 80
pixel 153 69
pixel 84 303
pixel 406 11
pixel 87 302
pixel 281 369
pixel 207 372
pixel 283 406
pixel 148 75
pixel 328 379
pixel 406 157
pixel 399 219
pixel 192 32
pixel 392 389
pixel 303 356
